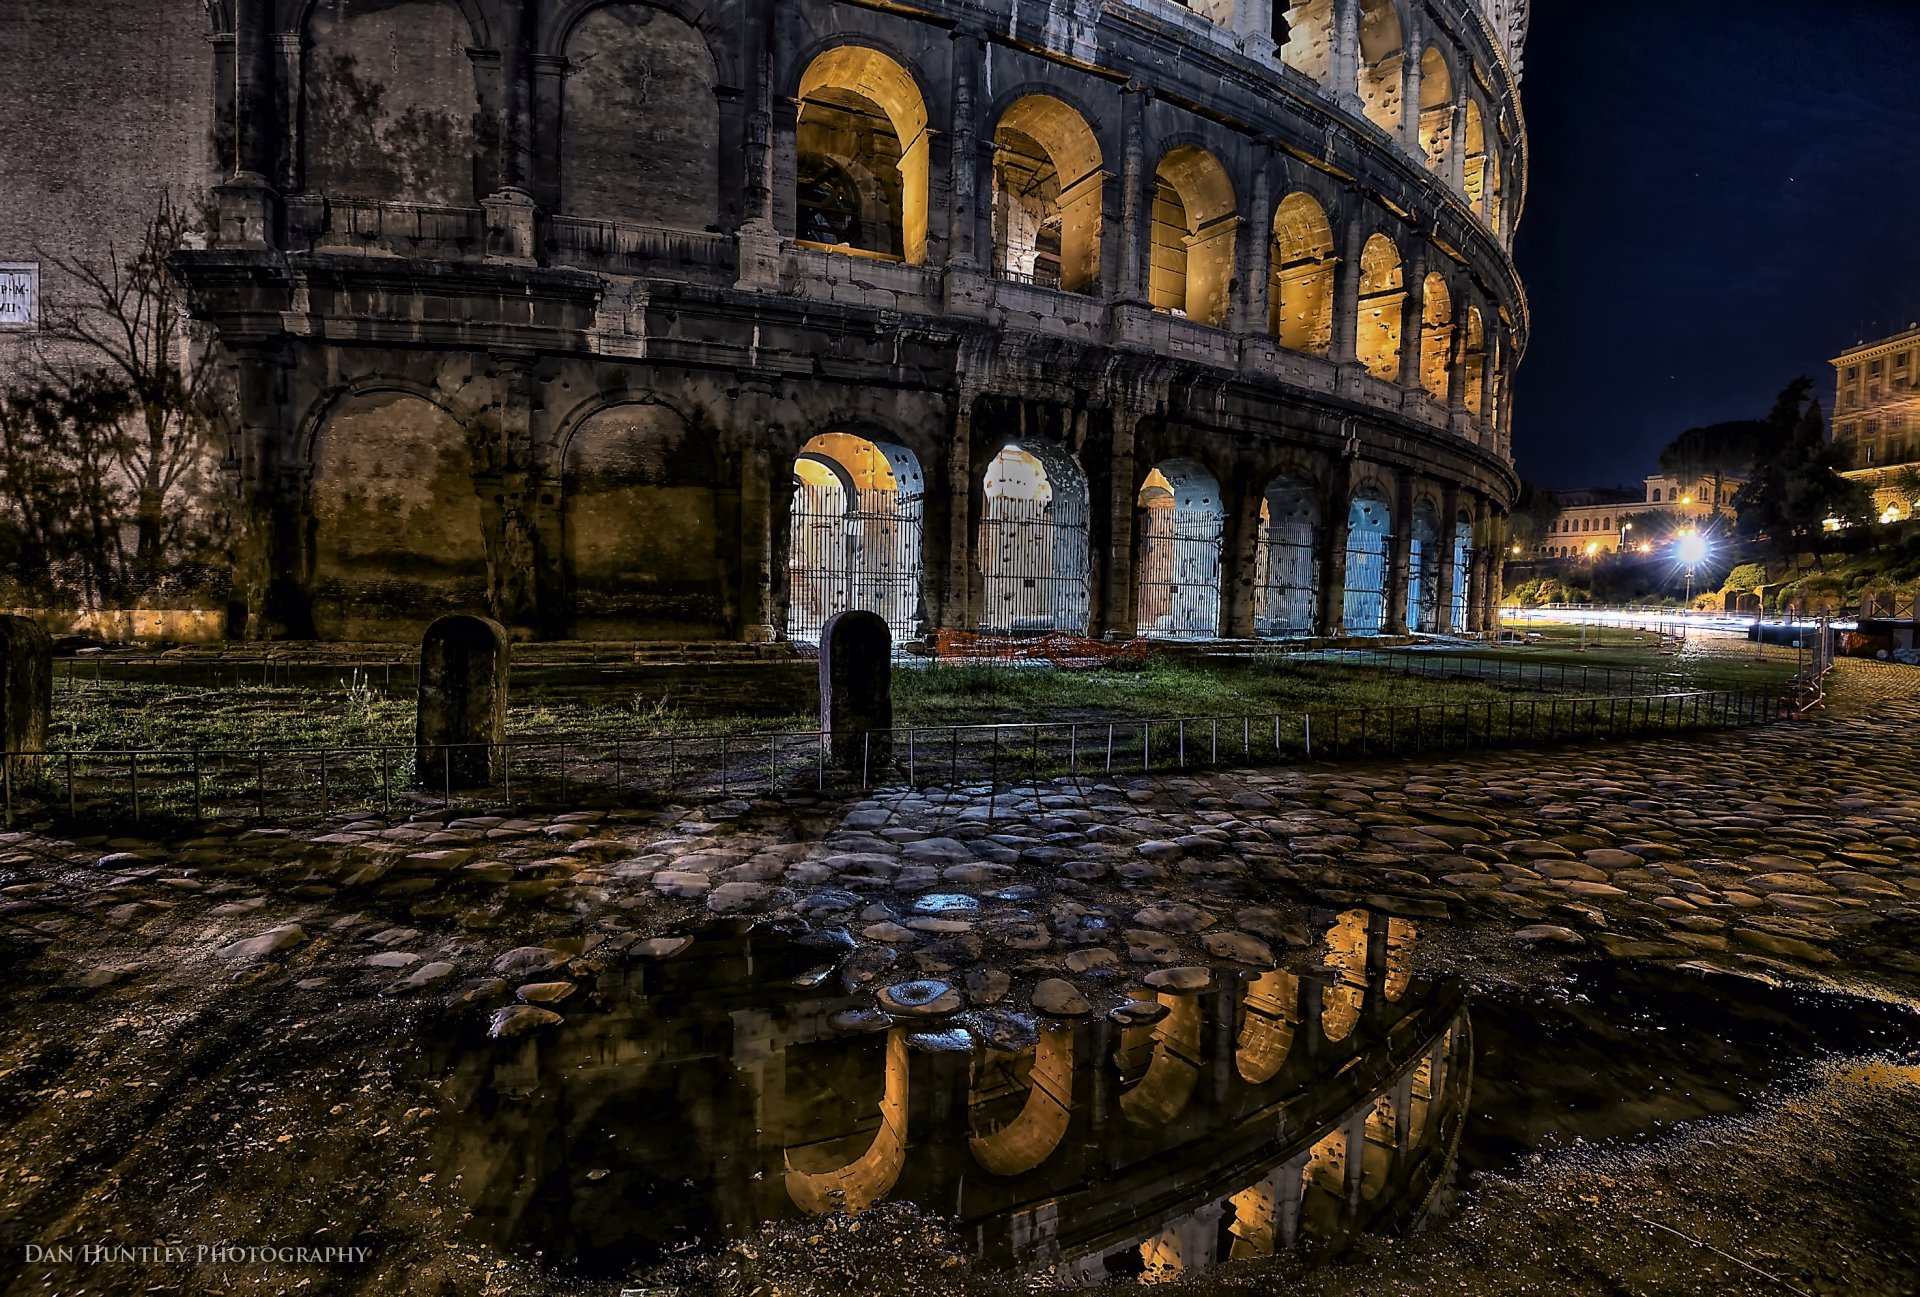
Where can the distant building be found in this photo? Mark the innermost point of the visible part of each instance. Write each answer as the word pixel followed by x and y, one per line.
pixel 1598 520
pixel 1876 416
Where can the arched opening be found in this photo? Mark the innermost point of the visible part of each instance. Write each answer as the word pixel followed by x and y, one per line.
pixel 1194 218
pixel 1436 108
pixel 861 177
pixel 1180 518
pixel 1369 539
pixel 1343 999
pixel 1436 336
pixel 1020 1104
pixel 855 1185
pixel 854 535
pixel 1323 1185
pixel 639 121
pixel 1383 291
pixel 1301 294
pixel 1376 1158
pixel 1032 547
pixel 1308 47
pixel 1287 575
pixel 1269 1014
pixel 1462 557
pixel 390 100
pixel 1423 571
pixel 1475 170
pixel 396 520
pixel 1047 185
pixel 1474 381
pixel 1493 185
pixel 1382 62
pixel 642 527
pixel 1160 1064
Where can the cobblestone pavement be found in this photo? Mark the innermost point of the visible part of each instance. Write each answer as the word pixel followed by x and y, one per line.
pixel 159 991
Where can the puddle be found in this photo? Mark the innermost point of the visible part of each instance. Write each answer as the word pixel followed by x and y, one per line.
pixel 730 1084
pixel 733 1082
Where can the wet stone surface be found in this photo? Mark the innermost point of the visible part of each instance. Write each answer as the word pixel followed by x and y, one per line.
pixel 270 982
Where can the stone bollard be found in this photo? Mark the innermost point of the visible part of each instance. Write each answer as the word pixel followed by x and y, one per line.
pixel 461 716
pixel 26 693
pixel 856 691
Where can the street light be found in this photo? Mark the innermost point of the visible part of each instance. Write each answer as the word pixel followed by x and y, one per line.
pixel 1692 551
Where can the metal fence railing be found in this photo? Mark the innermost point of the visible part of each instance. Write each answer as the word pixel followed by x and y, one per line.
pixel 578 770
pixel 1516 673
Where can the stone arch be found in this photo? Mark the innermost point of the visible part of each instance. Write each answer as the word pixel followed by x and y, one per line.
pixel 1474 145
pixel 640 127
pixel 1323 1185
pixel 857 1185
pixel 1048 185
pixel 1436 108
pixel 863 149
pixel 397 525
pixel 1423 570
pixel 389 101
pixel 1032 548
pixel 1346 996
pixel 1381 64
pixel 1474 384
pixel 1369 543
pixel 1301 294
pixel 1195 215
pixel 1436 335
pixel 1028 1140
pixel 854 534
pixel 1495 188
pixel 1287 559
pixel 1173 1062
pixel 643 520
pixel 1376 1152
pixel 1382 292
pixel 1270 1015
pixel 1180 521
pixel 1308 48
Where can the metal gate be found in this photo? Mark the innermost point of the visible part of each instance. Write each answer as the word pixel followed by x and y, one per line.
pixel 1368 544
pixel 1286 567
pixel 1035 564
pixel 840 558
pixel 1179 573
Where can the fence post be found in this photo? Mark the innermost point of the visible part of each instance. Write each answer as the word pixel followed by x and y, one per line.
pixel 70 802
pixel 6 777
pixel 197 815
pixel 133 777
pixel 773 763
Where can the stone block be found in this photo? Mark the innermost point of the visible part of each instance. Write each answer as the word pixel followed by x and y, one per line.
pixel 856 691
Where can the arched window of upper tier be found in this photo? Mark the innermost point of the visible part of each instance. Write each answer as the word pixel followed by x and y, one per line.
pixel 1309 43
pixel 1191 261
pixel 1476 369
pixel 1494 189
pixel 1436 336
pixel 1436 109
pixel 861 180
pixel 1476 156
pixel 1047 183
pixel 1382 63
pixel 1301 295
pixel 1383 291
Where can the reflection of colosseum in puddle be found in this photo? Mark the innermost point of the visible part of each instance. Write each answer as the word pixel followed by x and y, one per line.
pixel 1290 1110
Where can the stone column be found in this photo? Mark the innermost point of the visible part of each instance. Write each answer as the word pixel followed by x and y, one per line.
pixel 1346 54
pixel 756 544
pixel 501 478
pixel 1081 228
pixel 1116 594
pixel 1400 556
pixel 1136 198
pixel 246 203
pixel 1346 291
pixel 1239 554
pixel 1413 317
pixel 1210 268
pixel 956 573
pixel 1251 309
pixel 547 88
pixel 1457 145
pixel 1496 564
pixel 516 116
pixel 1457 358
pixel 1286 1202
pixel 856 691
pixel 968 52
pixel 1356 1163
pixel 1410 83
pixel 1333 557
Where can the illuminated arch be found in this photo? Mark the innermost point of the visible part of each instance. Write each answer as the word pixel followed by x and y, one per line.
pixel 1436 108
pixel 865 1180
pixel 1032 1136
pixel 1369 542
pixel 1033 551
pixel 1181 519
pixel 854 534
pixel 1190 267
pixel 1047 190
pixel 1474 387
pixel 1309 44
pixel 863 148
pixel 1173 1067
pixel 1382 63
pixel 1382 294
pixel 1475 145
pixel 1266 1031
pixel 1301 294
pixel 1347 956
pixel 1287 559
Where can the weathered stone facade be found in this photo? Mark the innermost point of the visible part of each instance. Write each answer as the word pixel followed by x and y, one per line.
pixel 538 312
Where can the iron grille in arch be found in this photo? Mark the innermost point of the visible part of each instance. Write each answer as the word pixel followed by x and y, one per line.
pixel 866 556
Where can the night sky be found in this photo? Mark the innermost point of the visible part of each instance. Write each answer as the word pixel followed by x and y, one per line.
pixel 1725 195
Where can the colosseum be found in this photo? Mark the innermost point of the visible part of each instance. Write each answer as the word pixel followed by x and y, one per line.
pixel 704 319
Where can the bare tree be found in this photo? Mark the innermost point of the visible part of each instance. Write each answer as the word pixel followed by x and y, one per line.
pixel 130 317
